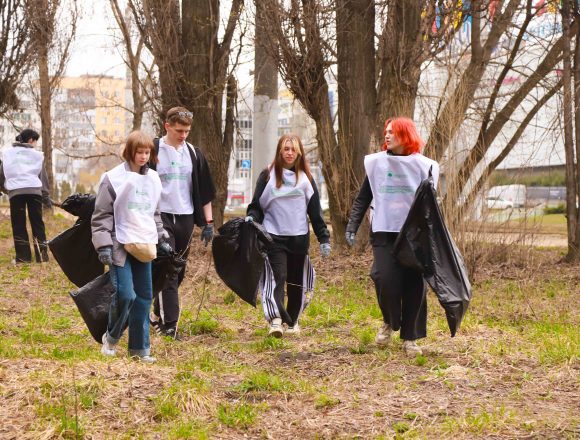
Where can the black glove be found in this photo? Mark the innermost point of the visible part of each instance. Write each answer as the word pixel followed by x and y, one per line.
pixel 207 233
pixel 106 255
pixel 164 248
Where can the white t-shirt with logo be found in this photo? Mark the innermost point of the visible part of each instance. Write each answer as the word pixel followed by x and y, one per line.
pixel 394 181
pixel 137 197
pixel 22 167
pixel 286 208
pixel 174 169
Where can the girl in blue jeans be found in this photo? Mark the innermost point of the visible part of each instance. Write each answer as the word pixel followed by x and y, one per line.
pixel 126 227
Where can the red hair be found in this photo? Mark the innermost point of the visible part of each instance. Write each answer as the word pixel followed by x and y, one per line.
pixel 301 164
pixel 405 131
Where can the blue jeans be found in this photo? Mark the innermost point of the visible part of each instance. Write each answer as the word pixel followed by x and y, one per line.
pixel 130 306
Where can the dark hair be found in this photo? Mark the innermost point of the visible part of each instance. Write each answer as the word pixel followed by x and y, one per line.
pixel 301 164
pixel 179 115
pixel 137 139
pixel 27 135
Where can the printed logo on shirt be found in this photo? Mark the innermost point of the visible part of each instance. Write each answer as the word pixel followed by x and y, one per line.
pixel 396 189
pixel 395 175
pixel 280 193
pixel 141 192
pixel 23 160
pixel 173 176
pixel 136 206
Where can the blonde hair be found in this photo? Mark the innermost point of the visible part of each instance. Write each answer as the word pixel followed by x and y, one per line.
pixel 300 165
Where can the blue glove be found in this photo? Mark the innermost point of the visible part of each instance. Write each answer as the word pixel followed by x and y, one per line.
pixel 325 249
pixel 349 238
pixel 207 233
pixel 249 219
pixel 106 255
pixel 164 248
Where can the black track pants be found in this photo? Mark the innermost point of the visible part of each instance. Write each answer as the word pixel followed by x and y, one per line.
pixel 401 293
pixel 166 302
pixel 288 269
pixel 18 206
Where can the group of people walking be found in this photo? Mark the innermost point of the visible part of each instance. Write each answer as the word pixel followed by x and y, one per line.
pixel 151 202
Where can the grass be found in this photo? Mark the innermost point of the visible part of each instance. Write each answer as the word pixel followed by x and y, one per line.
pixel 511 371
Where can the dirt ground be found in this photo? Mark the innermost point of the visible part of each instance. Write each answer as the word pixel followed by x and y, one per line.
pixel 511 372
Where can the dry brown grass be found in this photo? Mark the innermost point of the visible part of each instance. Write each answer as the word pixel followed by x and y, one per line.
pixel 512 372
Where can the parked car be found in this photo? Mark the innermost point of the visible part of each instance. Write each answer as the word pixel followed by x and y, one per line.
pixel 498 203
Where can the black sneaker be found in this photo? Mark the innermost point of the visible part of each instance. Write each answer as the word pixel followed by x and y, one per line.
pixel 170 332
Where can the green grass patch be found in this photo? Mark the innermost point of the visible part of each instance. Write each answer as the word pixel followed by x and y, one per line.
pixel 240 415
pixel 325 401
pixel 264 381
pixel 188 430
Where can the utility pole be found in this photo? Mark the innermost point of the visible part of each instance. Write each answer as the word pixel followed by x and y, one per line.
pixel 265 114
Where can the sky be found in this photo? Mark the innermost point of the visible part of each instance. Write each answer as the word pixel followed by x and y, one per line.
pixel 94 50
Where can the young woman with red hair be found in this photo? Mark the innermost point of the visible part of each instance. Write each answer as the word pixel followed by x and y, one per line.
pixel 392 177
pixel 284 198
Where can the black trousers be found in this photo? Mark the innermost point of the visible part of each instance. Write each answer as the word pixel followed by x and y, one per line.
pixel 166 302
pixel 18 206
pixel 401 292
pixel 288 269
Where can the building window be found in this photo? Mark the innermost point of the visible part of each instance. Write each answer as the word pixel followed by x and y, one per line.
pixel 247 144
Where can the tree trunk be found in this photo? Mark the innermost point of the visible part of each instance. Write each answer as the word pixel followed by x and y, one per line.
pixel 265 105
pixel 44 40
pixel 193 70
pixel 575 255
pixel 357 104
pixel 399 63
pixel 571 210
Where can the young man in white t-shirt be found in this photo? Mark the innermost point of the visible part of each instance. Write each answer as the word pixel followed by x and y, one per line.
pixel 187 192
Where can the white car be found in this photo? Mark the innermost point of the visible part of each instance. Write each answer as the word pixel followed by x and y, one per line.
pixel 498 203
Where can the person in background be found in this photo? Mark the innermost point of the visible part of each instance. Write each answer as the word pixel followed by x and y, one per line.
pixel 23 177
pixel 392 177
pixel 284 198
pixel 187 193
pixel 126 214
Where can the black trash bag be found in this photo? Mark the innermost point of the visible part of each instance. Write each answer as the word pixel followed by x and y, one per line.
pixel 163 268
pixel 93 301
pixel 238 254
pixel 79 205
pixel 424 244
pixel 73 249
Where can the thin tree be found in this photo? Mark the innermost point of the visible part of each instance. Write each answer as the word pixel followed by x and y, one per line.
pixel 54 25
pixel 134 46
pixel 571 110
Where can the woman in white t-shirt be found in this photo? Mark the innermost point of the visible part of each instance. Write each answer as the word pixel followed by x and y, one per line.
pixel 126 227
pixel 23 177
pixel 392 177
pixel 284 199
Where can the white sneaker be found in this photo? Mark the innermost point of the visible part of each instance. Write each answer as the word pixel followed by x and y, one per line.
pixel 294 330
pixel 276 328
pixel 384 335
pixel 411 348
pixel 108 349
pixel 147 359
